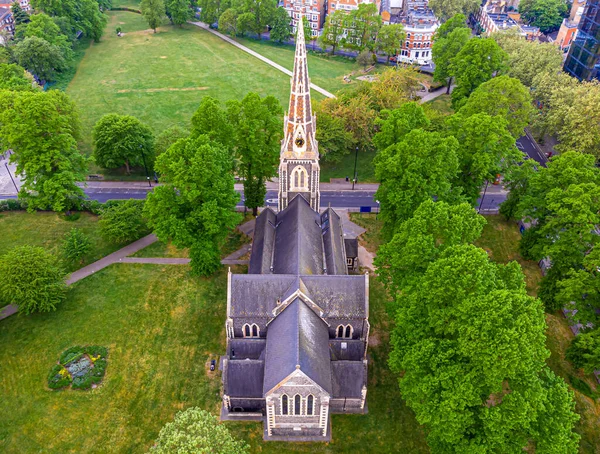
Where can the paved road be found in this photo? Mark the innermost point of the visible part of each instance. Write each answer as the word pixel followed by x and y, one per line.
pixel 529 148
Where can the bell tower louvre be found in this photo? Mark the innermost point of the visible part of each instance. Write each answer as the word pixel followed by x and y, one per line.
pixel 299 170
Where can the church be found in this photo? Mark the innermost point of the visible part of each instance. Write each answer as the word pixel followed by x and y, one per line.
pixel 297 324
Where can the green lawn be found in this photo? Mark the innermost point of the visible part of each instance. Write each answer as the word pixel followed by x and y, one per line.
pixel 47 230
pixel 443 104
pixel 345 168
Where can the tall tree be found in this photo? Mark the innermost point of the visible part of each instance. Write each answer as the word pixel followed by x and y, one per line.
pixel 13 77
pixel 179 11
pixel 395 124
pixel 517 182
pixel 477 62
pixel 335 140
pixel 84 15
pixel 362 25
pixel 333 31
pixel 419 167
pixel 281 29
pixel 503 96
pixel 263 12
pixel 194 207
pixel 228 21
pixel 445 49
pixel 168 137
pixel 212 9
pixel 19 14
pixel 123 140
pixel 469 347
pixel 584 351
pixel 389 39
pixel 154 12
pixel 123 221
pixel 212 120
pixel 545 14
pixel 49 168
pixel 246 22
pixel 445 9
pixel 39 57
pixel 42 26
pixel 257 131
pixel 486 149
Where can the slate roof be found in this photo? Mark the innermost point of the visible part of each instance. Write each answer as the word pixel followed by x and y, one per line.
pixel 297 337
pixel 246 348
pixel 351 246
pixel 255 295
pixel 348 378
pixel 333 243
pixel 338 296
pixel 354 350
pixel 262 245
pixel 244 378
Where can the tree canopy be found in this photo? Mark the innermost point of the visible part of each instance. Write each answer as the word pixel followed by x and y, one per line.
pixel 39 57
pixel 445 9
pixel 84 15
pixel 13 77
pixel 154 12
pixel 545 14
pixel 281 30
pixel 389 39
pixel 123 221
pixel 445 49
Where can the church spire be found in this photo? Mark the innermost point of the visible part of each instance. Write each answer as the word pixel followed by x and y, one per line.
pixel 299 170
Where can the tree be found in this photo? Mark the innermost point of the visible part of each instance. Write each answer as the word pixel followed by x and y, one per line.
pixel 420 240
pixel 49 169
pixel 228 22
pixel 477 62
pixel 42 26
pixel 76 245
pixel 39 57
pixel 333 31
pixel 335 141
pixel 281 29
pixel 545 14
pixel 445 9
pixel 395 124
pixel 32 279
pixel 212 120
pixel 257 130
pixel 122 140
pixel 362 25
pixel 245 23
pixel 517 182
pixel 584 351
pixel 307 29
pixel 197 431
pixel 419 167
pixel 389 39
pixel 194 207
pixel 365 58
pixel 486 149
pixel 83 15
pixel 179 11
pixel 13 77
pixel 123 221
pixel 154 12
pixel 19 14
pixel 469 347
pixel 168 137
pixel 211 10
pixel 505 97
pixel 528 59
pixel 445 49
pixel 262 12
pixel 394 87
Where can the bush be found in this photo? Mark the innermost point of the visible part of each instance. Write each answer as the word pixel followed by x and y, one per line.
pixel 70 354
pixel 12 205
pixel 31 279
pixel 584 351
pixel 195 430
pixel 57 378
pixel 123 221
pixel 76 245
pixel 79 374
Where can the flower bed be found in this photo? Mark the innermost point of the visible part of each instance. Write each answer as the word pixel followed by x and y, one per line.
pixel 79 368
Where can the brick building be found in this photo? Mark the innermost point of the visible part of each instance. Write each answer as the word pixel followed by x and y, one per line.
pixel 313 10
pixel 420 25
pixel 7 23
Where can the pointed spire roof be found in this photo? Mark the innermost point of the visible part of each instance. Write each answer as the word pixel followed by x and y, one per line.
pixel 300 123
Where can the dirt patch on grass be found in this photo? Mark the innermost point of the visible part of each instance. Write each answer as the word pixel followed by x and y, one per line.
pixel 374 340
pixel 156 90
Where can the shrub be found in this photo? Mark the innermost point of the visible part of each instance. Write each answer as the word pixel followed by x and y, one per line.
pixel 77 370
pixel 32 279
pixel 123 221
pixel 195 430
pixel 57 378
pixel 76 245
pixel 584 351
pixel 70 354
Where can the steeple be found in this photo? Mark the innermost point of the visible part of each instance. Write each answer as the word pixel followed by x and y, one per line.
pixel 299 160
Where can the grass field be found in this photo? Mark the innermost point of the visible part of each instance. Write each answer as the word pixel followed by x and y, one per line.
pixel 443 104
pixel 47 230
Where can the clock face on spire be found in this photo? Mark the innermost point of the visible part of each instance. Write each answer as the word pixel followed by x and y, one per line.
pixel 299 142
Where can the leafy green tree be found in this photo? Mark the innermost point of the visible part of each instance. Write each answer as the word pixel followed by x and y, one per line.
pixel 153 12
pixel 19 14
pixel 445 9
pixel 76 245
pixel 395 124
pixel 486 149
pixel 420 240
pixel 122 140
pixel 528 59
pixel 42 26
pixel 335 141
pixel 168 137
pixel 517 182
pixel 212 9
pixel 362 26
pixel 477 62
pixel 4 56
pixel 365 58
pixel 13 77
pixel 194 207
pixel 333 31
pixel 84 15
pixel 123 221
pixel 197 431
pixel 39 57
pixel 545 14
pixel 228 22
pixel 49 169
pixel 257 130
pixel 245 23
pixel 584 351
pixel 417 168
pixel 32 279
pixel 281 29
pixel 179 11
pixel 469 347
pixel 262 12
pixel 389 39
pixel 447 45
pixel 394 87
pixel 214 121
pixel 505 97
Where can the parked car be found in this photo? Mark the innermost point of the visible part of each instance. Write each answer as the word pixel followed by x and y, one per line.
pixel 213 363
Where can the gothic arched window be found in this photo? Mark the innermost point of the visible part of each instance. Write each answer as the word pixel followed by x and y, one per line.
pixel 340 331
pixel 255 330
pixel 297 404
pixel 299 179
pixel 246 329
pixel 348 331
pixel 310 404
pixel 284 404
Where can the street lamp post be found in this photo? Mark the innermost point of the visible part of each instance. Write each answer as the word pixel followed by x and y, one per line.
pixel 145 167
pixel 355 161
pixel 483 196
pixel 11 177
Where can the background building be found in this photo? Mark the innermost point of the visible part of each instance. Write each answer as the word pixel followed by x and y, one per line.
pixel 313 10
pixel 420 25
pixel 583 60
pixel 568 28
pixel 7 25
